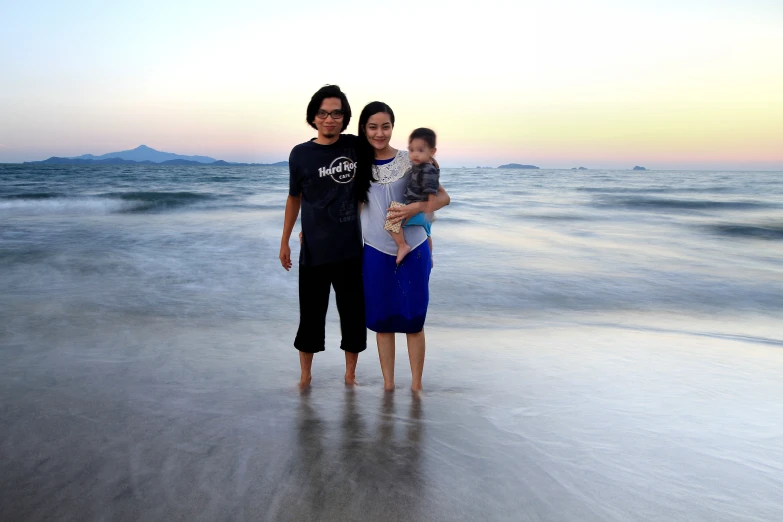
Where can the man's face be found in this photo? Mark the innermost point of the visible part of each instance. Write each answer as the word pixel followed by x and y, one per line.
pixel 328 127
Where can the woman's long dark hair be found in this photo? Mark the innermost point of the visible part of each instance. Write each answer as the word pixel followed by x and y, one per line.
pixel 365 153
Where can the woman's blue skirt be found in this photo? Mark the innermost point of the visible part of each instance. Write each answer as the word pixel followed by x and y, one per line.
pixel 396 297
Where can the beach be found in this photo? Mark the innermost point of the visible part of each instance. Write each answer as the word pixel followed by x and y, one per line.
pixel 601 345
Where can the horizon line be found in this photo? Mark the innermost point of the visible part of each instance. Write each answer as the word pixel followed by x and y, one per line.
pixel 269 164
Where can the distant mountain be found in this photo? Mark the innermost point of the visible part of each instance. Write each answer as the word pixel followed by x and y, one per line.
pixel 517 166
pixel 54 160
pixel 177 162
pixel 639 168
pixel 144 153
pixel 183 162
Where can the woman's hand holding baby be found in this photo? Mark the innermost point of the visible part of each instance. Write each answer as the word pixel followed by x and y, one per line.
pixel 397 214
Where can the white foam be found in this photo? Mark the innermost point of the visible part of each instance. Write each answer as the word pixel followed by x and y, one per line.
pixel 81 205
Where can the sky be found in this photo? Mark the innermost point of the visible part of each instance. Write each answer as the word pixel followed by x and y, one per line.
pixel 666 84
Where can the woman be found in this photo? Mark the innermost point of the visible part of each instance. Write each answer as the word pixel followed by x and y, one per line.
pixel 396 296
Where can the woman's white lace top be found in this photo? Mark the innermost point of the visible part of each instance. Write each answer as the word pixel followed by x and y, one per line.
pixel 392 171
pixel 392 179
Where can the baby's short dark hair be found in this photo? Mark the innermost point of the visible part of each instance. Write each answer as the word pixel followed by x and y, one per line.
pixel 428 135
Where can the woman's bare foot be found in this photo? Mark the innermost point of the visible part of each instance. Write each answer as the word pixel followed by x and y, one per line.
pixel 388 386
pixel 402 251
pixel 304 382
pixel 350 380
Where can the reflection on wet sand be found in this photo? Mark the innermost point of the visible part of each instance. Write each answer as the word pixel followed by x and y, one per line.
pixel 594 424
pixel 369 470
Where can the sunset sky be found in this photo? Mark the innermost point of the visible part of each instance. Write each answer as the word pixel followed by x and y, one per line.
pixel 564 83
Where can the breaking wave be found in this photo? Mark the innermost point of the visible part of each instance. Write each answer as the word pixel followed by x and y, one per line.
pixel 677 204
pixel 45 203
pixel 769 232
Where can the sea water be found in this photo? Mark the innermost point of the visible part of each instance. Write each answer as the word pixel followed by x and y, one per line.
pixel 601 345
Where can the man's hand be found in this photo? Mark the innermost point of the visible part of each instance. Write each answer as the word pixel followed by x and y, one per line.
pixel 292 205
pixel 285 256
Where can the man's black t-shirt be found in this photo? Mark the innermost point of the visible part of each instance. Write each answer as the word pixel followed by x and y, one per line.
pixel 324 176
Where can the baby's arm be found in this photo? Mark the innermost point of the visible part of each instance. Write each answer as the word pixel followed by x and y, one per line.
pixel 431 205
pixel 431 187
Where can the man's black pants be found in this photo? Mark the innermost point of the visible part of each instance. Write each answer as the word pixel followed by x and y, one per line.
pixel 314 287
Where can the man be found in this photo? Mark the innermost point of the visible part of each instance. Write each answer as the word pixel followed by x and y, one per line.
pixel 322 173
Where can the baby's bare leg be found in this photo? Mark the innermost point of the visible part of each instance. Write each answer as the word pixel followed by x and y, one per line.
pixel 403 248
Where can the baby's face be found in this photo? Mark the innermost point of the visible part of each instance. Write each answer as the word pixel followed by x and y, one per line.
pixel 419 151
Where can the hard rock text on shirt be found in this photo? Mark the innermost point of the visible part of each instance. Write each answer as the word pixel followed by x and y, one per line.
pixel 341 170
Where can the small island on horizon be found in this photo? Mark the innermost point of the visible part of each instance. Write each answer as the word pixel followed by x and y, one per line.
pixel 517 166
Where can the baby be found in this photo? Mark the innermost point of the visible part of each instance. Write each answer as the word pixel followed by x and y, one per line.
pixel 422 187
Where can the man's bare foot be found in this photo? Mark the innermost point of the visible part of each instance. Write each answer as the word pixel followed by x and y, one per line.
pixel 389 387
pixel 304 382
pixel 402 251
pixel 416 388
pixel 350 380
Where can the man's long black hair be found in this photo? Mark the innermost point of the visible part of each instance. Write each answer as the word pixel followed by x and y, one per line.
pixel 328 91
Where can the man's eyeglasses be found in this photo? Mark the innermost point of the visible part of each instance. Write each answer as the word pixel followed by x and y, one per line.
pixel 335 114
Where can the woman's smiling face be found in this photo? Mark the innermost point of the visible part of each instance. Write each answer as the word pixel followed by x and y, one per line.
pixel 379 130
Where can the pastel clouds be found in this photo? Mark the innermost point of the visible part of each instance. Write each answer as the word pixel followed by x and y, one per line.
pixel 687 83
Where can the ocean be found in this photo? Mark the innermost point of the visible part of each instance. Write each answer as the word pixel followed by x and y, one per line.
pixel 601 346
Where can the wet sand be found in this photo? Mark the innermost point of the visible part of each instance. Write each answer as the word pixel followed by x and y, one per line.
pixel 578 420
